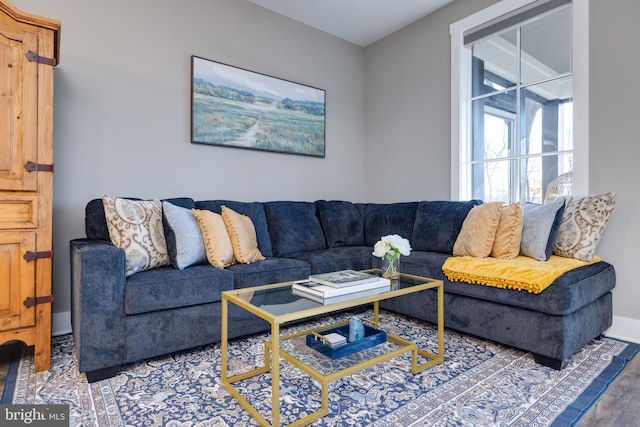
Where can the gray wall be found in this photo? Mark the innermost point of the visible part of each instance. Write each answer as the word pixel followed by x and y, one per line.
pixel 122 108
pixel 407 121
pixel 614 99
pixel 408 108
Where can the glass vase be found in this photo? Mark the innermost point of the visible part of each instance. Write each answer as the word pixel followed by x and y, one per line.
pixel 391 268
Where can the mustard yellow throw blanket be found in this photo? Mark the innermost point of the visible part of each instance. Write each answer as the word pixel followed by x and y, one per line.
pixel 522 273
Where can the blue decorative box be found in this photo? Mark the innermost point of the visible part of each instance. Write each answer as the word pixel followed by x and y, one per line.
pixel 372 336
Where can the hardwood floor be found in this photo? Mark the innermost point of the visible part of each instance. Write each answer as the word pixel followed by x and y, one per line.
pixel 618 407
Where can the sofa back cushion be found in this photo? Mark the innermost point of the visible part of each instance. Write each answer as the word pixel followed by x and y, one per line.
pixel 294 227
pixel 95 222
pixel 383 219
pixel 254 210
pixel 438 224
pixel 342 222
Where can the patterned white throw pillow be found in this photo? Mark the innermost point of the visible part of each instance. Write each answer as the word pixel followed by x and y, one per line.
pixel 136 227
pixel 583 224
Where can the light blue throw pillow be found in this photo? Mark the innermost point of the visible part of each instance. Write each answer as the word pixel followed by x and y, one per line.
pixel 538 228
pixel 184 239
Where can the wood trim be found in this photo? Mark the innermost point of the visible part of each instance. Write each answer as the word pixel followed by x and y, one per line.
pixel 25 335
pixel 35 20
pixel 44 266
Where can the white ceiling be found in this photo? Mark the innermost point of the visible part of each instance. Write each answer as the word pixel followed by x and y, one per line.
pixel 359 21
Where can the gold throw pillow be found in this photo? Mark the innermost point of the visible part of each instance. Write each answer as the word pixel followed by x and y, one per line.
pixel 216 239
pixel 478 231
pixel 509 233
pixel 243 236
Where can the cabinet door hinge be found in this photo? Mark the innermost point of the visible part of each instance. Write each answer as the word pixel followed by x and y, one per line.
pixel 38 167
pixel 34 57
pixel 30 256
pixel 32 301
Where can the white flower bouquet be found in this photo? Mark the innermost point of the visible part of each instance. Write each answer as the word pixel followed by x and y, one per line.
pixel 389 248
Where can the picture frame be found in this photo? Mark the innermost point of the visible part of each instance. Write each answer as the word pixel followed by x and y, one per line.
pixel 234 107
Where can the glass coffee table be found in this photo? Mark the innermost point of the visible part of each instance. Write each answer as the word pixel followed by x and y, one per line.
pixel 278 305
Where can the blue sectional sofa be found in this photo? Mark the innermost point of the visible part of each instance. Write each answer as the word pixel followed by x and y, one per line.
pixel 119 319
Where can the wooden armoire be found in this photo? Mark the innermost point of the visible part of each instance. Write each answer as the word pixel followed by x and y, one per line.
pixel 29 50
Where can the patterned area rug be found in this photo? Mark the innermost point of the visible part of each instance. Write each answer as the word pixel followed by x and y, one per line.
pixel 480 384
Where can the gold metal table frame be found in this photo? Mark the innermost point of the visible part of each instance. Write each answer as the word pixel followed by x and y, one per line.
pixel 273 351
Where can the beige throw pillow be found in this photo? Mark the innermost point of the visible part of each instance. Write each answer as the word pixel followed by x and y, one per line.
pixel 136 227
pixel 478 231
pixel 243 236
pixel 216 239
pixel 509 234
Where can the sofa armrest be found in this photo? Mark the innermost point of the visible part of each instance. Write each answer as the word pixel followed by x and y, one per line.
pixel 97 295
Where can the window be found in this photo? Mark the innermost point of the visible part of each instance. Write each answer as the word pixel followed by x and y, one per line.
pixel 513 116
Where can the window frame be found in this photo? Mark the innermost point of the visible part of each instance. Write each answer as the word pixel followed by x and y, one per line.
pixel 461 93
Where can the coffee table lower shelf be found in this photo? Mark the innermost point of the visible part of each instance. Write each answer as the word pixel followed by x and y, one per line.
pixel 402 346
pixel 253 300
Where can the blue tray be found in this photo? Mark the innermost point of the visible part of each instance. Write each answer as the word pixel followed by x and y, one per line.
pixel 372 336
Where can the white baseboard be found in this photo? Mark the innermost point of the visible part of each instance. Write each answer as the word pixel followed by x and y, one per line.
pixel 625 328
pixel 61 323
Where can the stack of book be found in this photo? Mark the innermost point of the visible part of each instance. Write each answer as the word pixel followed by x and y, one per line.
pixel 339 286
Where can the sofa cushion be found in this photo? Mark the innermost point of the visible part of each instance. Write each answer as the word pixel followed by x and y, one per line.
pixel 253 210
pixel 478 231
pixel 342 222
pixel 583 224
pixel 438 224
pixel 243 236
pixel 425 264
pixel 540 229
pixel 136 227
pixel 164 288
pixel 271 270
pixel 216 238
pixel 183 236
pixel 293 227
pixel 336 259
pixel 567 294
pixel 384 219
pixel 95 223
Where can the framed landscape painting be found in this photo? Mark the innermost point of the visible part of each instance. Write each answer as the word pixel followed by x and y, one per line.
pixel 234 107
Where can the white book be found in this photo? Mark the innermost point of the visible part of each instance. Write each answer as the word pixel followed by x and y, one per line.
pixel 339 298
pixel 343 278
pixel 325 291
pixel 334 339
